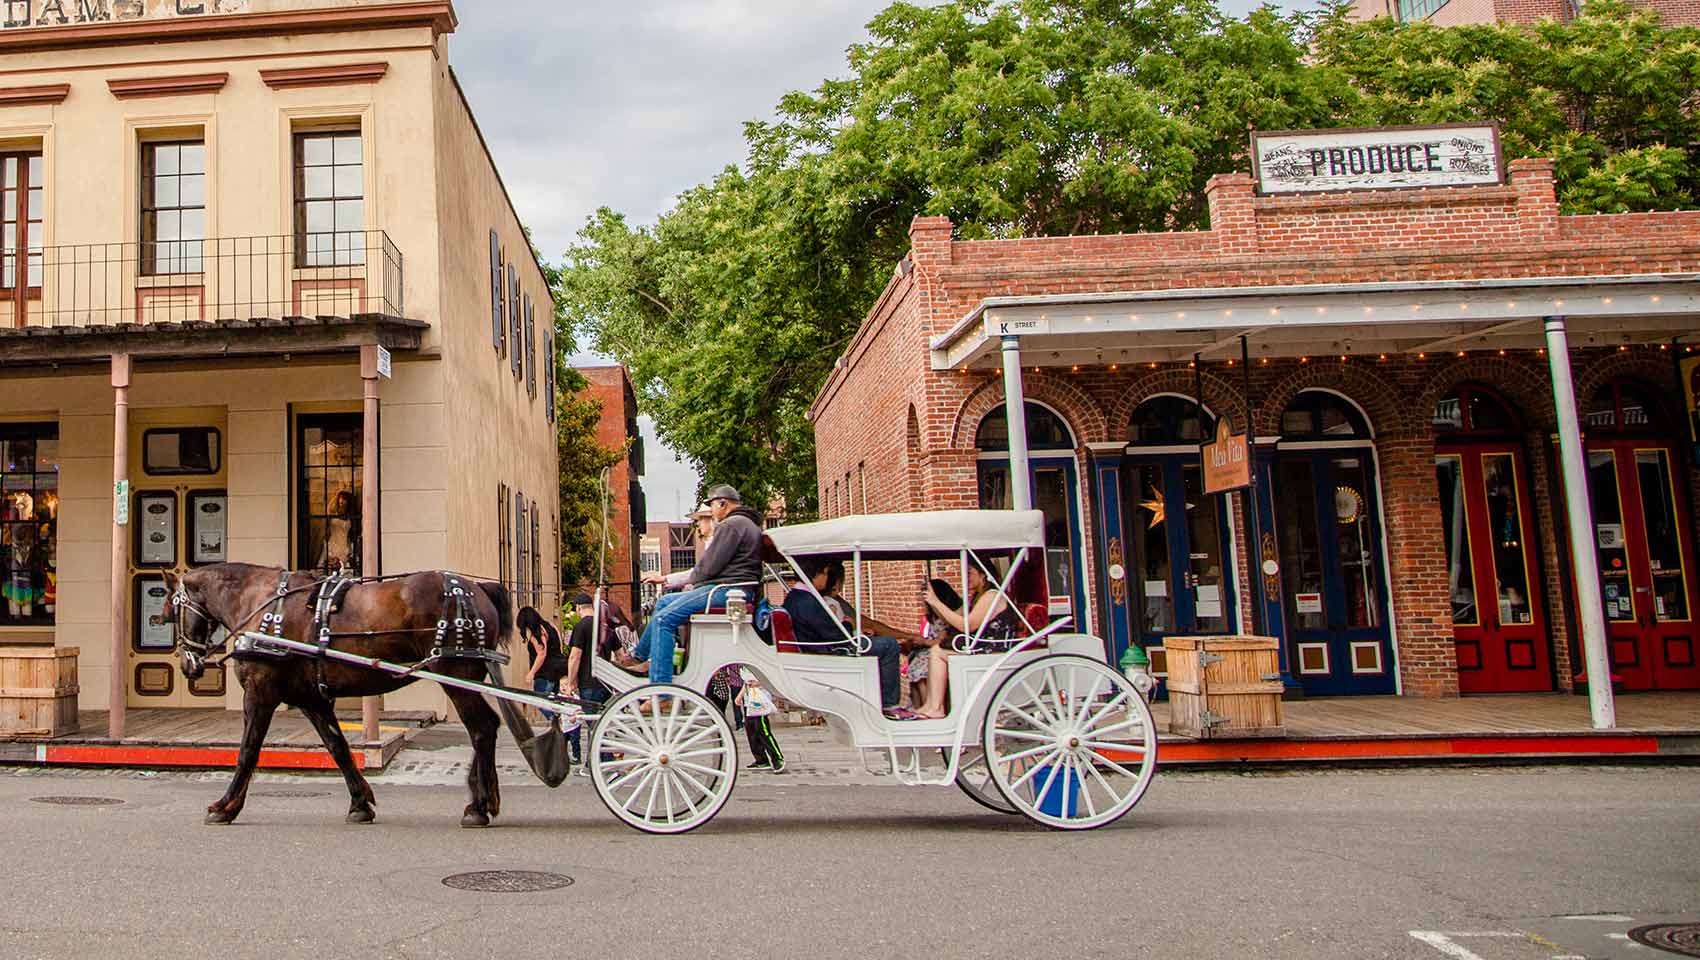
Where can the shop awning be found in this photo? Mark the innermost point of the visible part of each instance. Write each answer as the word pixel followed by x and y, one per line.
pixel 1356 319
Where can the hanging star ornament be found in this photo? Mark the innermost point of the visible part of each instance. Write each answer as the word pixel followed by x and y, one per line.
pixel 1155 507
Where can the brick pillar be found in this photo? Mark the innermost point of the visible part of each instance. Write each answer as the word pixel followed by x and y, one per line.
pixel 1416 553
pixel 1537 199
pixel 949 479
pixel 1233 213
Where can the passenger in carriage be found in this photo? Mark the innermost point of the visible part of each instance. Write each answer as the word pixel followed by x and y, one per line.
pixel 989 615
pixel 733 556
pixel 823 630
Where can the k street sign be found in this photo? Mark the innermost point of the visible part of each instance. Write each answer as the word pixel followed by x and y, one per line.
pixel 1391 158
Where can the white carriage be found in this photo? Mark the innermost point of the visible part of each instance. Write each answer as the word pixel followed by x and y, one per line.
pixel 1048 729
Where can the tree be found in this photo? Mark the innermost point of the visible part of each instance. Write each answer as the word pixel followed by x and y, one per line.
pixel 1043 117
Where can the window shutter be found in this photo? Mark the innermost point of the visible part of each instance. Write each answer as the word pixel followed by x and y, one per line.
pixel 502 533
pixel 516 364
pixel 549 362
pixel 536 557
pixel 519 547
pixel 496 326
pixel 530 346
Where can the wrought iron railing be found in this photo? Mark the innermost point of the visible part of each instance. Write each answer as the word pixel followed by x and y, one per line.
pixel 343 274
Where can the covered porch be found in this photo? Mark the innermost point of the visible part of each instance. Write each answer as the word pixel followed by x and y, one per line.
pixel 1339 332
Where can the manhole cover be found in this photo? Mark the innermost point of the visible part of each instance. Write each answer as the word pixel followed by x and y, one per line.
pixel 508 881
pixel 291 794
pixel 1678 938
pixel 78 801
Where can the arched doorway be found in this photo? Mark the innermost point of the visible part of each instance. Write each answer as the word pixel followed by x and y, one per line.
pixel 1179 541
pixel 1328 526
pixel 1492 561
pixel 1056 492
pixel 1644 543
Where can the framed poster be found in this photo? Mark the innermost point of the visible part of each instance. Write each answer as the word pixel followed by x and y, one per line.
pixel 156 529
pixel 209 522
pixel 152 632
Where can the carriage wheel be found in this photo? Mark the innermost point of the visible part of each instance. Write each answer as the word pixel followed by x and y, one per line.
pixel 675 768
pixel 974 778
pixel 1072 744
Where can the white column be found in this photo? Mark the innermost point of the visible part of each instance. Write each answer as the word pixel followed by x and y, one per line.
pixel 370 707
pixel 1015 408
pixel 119 682
pixel 1579 518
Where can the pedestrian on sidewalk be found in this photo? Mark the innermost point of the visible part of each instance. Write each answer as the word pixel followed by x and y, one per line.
pixel 548 658
pixel 758 706
pixel 579 681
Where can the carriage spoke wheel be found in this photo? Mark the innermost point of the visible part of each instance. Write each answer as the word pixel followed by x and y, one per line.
pixel 671 770
pixel 974 778
pixel 1070 742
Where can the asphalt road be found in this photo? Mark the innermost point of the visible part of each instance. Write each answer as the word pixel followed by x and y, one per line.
pixel 1496 864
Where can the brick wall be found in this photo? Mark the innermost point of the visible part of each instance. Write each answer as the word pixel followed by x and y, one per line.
pixel 863 413
pixel 611 387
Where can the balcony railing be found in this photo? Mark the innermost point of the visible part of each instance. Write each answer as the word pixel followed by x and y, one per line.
pixel 344 274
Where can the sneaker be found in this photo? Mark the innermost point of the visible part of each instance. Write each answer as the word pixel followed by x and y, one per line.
pixel 760 765
pixel 778 767
pixel 582 772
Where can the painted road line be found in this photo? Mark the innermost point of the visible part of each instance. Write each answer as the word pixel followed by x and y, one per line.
pixel 1446 943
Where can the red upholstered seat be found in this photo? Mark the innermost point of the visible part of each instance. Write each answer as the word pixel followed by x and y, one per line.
pixel 784 638
pixel 1037 614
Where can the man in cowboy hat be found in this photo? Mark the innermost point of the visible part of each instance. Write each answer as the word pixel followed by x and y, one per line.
pixel 733 556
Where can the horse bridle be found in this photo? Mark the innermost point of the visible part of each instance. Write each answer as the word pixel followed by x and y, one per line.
pixel 194 652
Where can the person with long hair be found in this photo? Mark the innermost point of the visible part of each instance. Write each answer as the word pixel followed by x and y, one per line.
pixel 989 618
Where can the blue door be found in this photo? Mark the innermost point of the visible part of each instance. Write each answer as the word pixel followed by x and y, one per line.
pixel 1334 584
pixel 1182 582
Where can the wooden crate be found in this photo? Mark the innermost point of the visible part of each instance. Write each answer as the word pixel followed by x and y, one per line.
pixel 1224 687
pixel 38 691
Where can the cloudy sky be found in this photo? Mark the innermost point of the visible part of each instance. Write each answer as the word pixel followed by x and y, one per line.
pixel 593 103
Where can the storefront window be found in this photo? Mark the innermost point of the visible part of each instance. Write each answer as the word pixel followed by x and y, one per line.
pixel 1352 526
pixel 1204 539
pixel 1505 529
pixel 1460 577
pixel 1045 431
pixel 1050 496
pixel 1473 409
pixel 1316 415
pixel 1150 536
pixel 29 512
pixel 1664 539
pixel 1301 553
pixel 328 454
pixel 1169 421
pixel 1621 406
pixel 1610 548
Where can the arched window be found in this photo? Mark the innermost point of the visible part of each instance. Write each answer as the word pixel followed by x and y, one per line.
pixel 1045 430
pixel 1474 409
pixel 1622 405
pixel 1320 415
pixel 1163 421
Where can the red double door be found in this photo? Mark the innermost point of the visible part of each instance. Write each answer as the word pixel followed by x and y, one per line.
pixel 1644 548
pixel 1493 568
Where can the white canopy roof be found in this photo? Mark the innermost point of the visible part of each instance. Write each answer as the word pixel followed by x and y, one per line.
pixel 914 536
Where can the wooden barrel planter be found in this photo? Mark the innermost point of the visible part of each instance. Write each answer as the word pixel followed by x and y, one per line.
pixel 1224 687
pixel 38 691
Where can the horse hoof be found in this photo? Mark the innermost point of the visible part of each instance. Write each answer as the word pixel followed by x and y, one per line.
pixel 474 820
pixel 361 816
pixel 220 818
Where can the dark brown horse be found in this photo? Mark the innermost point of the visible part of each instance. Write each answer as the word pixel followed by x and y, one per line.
pixel 395 619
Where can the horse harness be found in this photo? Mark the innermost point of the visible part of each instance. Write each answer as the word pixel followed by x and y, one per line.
pixel 326 597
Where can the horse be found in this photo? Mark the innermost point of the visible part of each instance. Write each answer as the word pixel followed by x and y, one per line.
pixel 401 619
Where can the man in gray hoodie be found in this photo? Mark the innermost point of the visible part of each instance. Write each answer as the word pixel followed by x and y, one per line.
pixel 733 556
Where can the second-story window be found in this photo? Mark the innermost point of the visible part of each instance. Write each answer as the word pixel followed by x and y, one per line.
pixel 330 201
pixel 21 226
pixel 174 206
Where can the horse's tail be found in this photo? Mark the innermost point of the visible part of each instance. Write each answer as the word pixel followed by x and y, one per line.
pixel 504 604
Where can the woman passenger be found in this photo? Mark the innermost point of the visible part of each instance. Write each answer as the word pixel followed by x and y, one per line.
pixel 986 607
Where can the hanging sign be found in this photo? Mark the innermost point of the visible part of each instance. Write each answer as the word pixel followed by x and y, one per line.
pixel 1226 466
pixel 1316 161
pixel 19 14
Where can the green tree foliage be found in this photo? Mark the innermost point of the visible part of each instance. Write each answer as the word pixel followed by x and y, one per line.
pixel 1047 117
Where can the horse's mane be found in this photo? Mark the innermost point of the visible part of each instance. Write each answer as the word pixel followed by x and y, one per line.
pixel 499 596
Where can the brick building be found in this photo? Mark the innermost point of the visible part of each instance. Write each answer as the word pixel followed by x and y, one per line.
pixel 668 547
pixel 611 386
pixel 1411 521
pixel 1452 13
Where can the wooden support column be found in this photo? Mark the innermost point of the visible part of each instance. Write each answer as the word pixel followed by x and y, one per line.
pixel 118 687
pixel 369 706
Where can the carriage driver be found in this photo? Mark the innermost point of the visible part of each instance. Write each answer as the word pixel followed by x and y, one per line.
pixel 733 556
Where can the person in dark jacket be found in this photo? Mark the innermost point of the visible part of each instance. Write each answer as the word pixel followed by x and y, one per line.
pixel 827 631
pixel 733 556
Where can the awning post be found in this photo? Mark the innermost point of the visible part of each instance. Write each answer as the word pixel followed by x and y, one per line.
pixel 1580 521
pixel 118 681
pixel 370 707
pixel 1015 410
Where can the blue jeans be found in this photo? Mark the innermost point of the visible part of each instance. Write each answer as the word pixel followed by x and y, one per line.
pixel 661 634
pixel 591 694
pixel 890 655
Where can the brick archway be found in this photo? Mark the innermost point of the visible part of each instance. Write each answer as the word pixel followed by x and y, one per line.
pixel 1220 396
pixel 1388 409
pixel 1653 370
pixel 1518 381
pixel 1083 414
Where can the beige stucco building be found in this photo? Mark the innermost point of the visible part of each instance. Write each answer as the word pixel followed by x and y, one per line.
pixel 227 224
